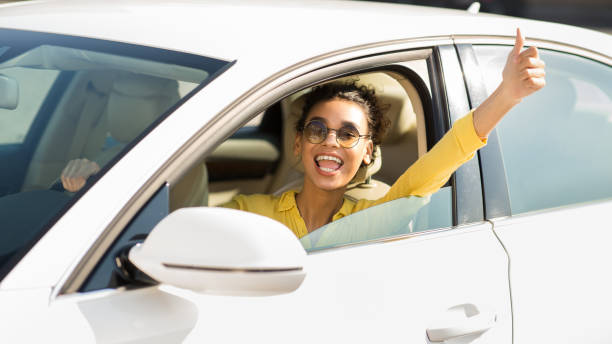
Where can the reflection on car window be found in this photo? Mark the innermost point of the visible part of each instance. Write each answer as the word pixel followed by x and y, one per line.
pixel 34 84
pixel 557 144
pixel 68 99
pixel 402 216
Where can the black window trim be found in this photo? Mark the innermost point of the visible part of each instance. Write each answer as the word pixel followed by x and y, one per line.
pixel 495 191
pixel 447 74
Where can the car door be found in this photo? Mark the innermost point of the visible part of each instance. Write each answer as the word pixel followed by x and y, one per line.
pixel 392 288
pixel 547 182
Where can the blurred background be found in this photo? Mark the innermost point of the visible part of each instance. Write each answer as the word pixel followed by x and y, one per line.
pixel 593 14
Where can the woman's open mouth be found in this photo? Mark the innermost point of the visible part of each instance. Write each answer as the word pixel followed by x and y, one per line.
pixel 328 163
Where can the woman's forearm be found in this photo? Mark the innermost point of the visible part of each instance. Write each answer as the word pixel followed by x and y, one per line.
pixel 491 112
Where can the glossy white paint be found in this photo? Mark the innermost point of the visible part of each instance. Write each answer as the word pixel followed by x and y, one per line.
pixel 560 271
pixel 222 251
pixel 147 315
pixel 415 281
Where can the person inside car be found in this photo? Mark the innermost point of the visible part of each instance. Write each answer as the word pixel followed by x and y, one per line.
pixel 340 126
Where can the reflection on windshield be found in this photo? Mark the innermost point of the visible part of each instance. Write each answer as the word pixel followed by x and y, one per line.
pixel 75 105
pixel 401 216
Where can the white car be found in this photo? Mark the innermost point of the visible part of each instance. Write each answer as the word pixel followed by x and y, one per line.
pixel 184 104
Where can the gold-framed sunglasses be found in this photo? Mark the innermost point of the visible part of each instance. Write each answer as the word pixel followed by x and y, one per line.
pixel 347 136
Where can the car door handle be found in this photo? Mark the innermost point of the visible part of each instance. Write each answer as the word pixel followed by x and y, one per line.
pixel 462 320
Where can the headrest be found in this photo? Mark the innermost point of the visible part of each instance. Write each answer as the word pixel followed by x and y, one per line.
pixel 135 101
pixel 102 82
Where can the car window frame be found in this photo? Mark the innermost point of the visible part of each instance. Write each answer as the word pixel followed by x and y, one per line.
pixel 243 109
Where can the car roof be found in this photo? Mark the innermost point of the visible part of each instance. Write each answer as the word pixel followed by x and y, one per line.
pixel 282 31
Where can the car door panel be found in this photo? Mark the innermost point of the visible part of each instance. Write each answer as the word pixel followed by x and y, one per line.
pixel 388 292
pixel 560 274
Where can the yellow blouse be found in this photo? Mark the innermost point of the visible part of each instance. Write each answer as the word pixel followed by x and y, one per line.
pixel 429 173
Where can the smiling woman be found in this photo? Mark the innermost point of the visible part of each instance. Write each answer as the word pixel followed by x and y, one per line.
pixel 354 117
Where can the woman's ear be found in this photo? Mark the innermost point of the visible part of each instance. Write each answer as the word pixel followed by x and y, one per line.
pixel 297 145
pixel 367 158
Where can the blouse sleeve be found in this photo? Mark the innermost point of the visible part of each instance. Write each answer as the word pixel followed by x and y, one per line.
pixel 431 171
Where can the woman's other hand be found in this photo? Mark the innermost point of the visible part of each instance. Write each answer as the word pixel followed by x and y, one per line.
pixel 77 171
pixel 523 74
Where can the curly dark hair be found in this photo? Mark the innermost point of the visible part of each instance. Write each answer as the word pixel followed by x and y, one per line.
pixel 348 90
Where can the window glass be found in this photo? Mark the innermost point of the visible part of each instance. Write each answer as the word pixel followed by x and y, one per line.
pixel 557 143
pixel 66 98
pixel 34 84
pixel 402 216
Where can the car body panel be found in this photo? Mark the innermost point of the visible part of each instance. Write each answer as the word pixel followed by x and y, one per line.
pixel 466 265
pixel 557 256
pixel 559 279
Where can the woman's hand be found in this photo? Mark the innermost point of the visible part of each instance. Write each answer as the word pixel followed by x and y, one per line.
pixel 77 171
pixel 524 71
pixel 523 74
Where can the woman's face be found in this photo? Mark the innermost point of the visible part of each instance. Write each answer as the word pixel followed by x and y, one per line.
pixel 328 165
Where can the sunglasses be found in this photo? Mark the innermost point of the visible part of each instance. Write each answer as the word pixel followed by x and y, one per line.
pixel 347 136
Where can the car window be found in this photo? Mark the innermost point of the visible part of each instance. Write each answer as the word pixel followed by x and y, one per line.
pixel 556 144
pixel 66 98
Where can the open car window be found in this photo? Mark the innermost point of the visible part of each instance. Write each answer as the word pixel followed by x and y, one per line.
pixel 233 168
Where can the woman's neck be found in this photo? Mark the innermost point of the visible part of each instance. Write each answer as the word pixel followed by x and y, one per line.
pixel 316 206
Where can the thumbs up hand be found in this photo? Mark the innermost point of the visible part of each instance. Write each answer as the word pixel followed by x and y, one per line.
pixel 524 71
pixel 523 74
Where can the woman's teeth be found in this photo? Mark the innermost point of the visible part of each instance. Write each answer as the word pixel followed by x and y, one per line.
pixel 328 163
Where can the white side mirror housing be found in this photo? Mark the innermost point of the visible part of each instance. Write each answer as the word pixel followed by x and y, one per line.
pixel 222 251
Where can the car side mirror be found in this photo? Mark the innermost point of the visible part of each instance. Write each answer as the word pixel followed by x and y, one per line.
pixel 222 251
pixel 9 92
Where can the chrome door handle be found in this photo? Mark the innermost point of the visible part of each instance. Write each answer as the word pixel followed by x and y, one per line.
pixel 462 320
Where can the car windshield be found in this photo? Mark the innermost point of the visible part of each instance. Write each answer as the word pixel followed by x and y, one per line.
pixel 67 100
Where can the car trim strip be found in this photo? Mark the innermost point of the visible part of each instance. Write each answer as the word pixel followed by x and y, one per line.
pixel 540 43
pixel 218 269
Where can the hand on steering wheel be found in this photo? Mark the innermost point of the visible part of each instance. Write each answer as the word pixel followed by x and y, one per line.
pixel 75 174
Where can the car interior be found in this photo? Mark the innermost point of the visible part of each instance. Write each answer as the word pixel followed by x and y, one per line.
pixel 258 158
pixel 70 104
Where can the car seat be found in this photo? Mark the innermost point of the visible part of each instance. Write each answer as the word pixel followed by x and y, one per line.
pixel 134 103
